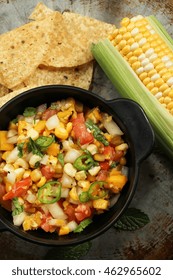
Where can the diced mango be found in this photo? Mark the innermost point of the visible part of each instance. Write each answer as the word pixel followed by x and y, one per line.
pixel 53 149
pixel 40 126
pixel 64 230
pixel 101 203
pixel 4 145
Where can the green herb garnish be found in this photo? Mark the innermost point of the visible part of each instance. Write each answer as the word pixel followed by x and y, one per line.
pixel 29 112
pixel 132 219
pixel 83 225
pixel 20 149
pixel 17 207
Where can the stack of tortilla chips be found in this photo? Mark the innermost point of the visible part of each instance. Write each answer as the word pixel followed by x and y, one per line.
pixel 53 48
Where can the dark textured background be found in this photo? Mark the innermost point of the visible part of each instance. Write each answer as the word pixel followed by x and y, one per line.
pixel 154 194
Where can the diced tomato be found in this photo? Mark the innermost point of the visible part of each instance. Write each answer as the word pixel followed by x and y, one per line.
pixel 7 203
pixel 80 130
pixel 104 165
pixel 45 223
pixel 109 152
pixel 18 189
pixel 102 175
pixel 70 212
pixel 48 171
pixel 82 211
pixel 118 155
pixel 48 113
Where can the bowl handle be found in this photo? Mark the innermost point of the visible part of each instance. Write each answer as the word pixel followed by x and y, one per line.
pixel 139 128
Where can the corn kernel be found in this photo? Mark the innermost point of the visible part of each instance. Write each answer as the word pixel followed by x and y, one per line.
pixel 150 85
pixel 147 34
pixel 138 37
pixel 130 41
pixel 126 50
pixel 64 230
pixel 159 82
pixel 138 52
pixel 145 47
pixel 157 62
pixel 41 182
pixel 101 203
pixel 163 87
pixel 154 90
pixel 167 91
pixel 143 76
pixel 171 93
pixel 166 76
pixel 118 38
pixel 163 71
pixel 151 73
pixel 125 21
pixel 167 100
pixel 127 36
pixel 170 105
pixel 122 30
pixel 133 59
pixel 129 55
pixel 161 100
pixel 130 27
pixel 136 65
pixel 146 81
pixel 122 44
pixel 160 66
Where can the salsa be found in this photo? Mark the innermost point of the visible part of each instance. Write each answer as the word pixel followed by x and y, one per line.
pixel 60 165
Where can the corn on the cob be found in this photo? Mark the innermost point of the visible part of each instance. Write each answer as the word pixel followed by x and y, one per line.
pixel 139 62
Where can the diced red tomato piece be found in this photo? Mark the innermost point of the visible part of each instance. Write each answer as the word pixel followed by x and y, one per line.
pixel 102 175
pixel 70 212
pixel 82 211
pixel 109 152
pixel 48 171
pixel 104 165
pixel 18 189
pixel 7 203
pixel 48 113
pixel 80 130
pixel 45 223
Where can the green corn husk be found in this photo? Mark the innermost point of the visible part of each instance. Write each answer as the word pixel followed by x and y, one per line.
pixel 130 86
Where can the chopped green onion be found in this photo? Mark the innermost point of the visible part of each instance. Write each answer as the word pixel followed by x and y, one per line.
pixel 97 133
pixel 83 225
pixel 61 158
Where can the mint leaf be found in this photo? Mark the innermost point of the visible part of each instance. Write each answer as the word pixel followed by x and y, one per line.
pixel 132 219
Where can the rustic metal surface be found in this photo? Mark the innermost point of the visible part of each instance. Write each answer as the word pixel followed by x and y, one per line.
pixel 154 194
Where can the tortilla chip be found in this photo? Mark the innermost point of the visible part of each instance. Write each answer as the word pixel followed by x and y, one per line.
pixel 3 90
pixel 40 12
pixel 12 94
pixel 79 33
pixel 22 50
pixel 78 76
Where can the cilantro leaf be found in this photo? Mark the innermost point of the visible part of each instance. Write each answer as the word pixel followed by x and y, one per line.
pixel 20 149
pixel 17 207
pixel 34 148
pixel 132 219
pixel 29 112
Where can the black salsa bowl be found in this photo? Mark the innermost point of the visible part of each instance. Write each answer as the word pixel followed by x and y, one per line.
pixel 138 134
